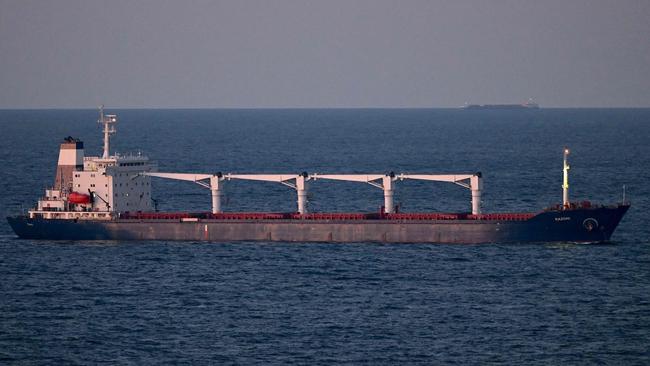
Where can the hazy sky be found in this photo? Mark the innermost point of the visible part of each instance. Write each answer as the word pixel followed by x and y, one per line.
pixel 329 53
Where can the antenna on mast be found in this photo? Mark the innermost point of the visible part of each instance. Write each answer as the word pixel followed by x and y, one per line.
pixel 108 121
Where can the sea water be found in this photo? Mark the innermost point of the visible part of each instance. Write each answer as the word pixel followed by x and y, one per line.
pixel 295 303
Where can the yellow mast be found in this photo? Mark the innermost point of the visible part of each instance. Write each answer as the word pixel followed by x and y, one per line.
pixel 565 184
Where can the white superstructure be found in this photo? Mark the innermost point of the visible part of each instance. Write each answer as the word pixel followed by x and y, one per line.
pixel 93 187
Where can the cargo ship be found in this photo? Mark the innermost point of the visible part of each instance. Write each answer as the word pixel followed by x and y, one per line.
pixel 108 197
pixel 530 104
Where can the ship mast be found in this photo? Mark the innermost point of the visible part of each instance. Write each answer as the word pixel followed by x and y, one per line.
pixel 108 121
pixel 565 184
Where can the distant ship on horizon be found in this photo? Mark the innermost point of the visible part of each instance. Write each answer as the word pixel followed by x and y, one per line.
pixel 530 104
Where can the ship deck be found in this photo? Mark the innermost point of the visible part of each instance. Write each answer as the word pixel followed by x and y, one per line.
pixel 334 216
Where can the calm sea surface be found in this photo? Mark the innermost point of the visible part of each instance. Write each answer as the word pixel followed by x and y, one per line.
pixel 281 303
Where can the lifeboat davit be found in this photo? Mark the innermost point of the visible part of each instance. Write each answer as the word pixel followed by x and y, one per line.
pixel 78 198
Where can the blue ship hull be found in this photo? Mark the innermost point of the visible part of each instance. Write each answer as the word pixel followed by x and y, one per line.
pixel 575 225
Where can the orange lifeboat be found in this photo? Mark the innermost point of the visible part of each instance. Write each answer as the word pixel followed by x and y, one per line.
pixel 78 198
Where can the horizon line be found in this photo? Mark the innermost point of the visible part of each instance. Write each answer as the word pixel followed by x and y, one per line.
pixel 294 108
